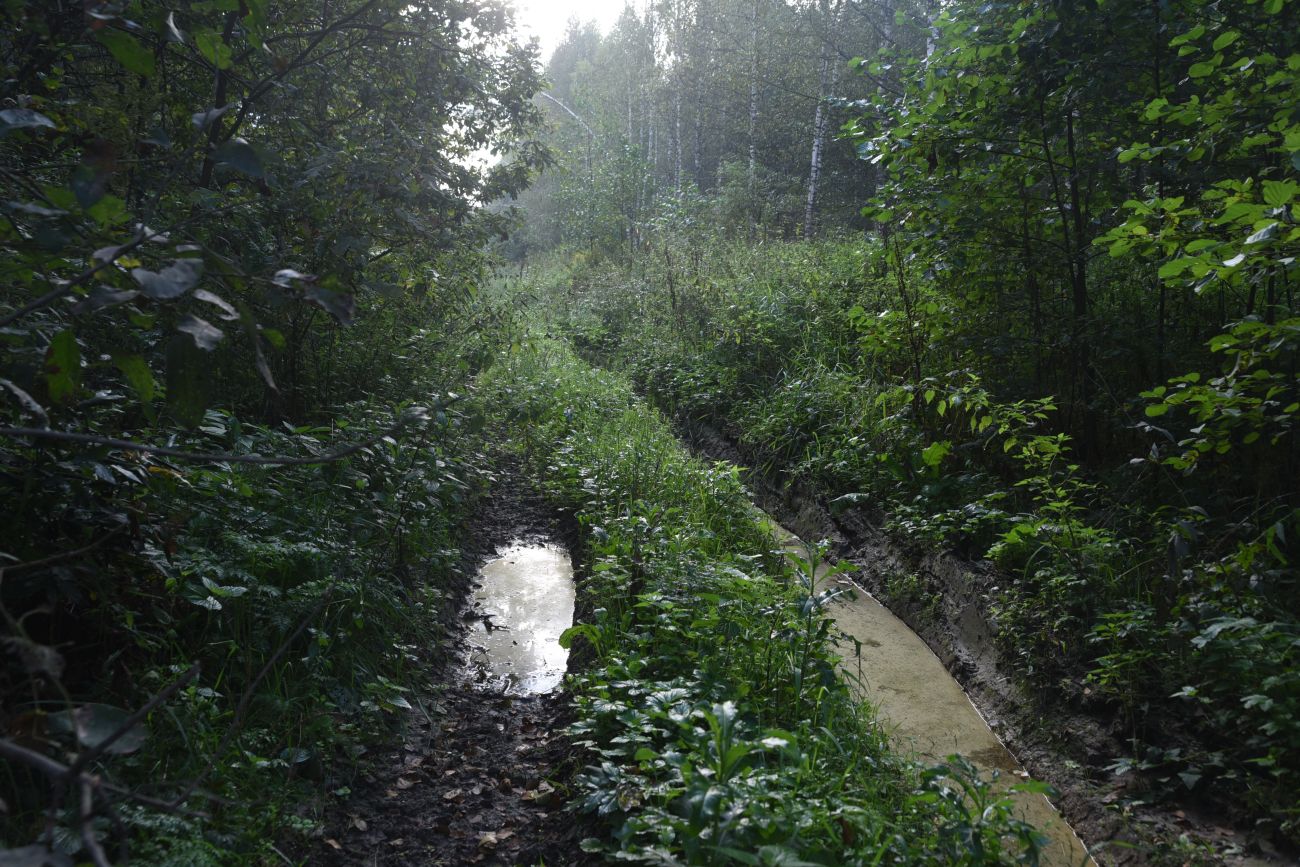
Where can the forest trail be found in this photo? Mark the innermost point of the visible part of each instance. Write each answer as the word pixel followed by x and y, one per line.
pixel 925 709
pixel 472 781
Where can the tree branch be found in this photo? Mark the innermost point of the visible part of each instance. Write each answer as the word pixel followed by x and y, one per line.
pixel 197 457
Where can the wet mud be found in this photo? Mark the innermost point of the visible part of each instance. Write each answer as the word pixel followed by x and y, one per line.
pixel 480 774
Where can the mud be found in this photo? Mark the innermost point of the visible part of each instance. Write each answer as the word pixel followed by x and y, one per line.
pixel 481 773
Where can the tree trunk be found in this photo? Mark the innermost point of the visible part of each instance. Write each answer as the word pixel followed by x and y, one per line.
pixel 753 96
pixel 677 135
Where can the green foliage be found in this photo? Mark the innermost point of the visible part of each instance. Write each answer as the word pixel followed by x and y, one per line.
pixel 799 352
pixel 710 704
pixel 348 562
pixel 234 233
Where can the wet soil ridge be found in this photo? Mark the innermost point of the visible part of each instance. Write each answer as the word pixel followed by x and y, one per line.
pixel 476 779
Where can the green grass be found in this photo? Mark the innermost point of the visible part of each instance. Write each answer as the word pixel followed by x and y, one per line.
pixel 717 724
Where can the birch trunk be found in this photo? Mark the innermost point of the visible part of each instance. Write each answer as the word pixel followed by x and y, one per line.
pixel 677 136
pixel 828 80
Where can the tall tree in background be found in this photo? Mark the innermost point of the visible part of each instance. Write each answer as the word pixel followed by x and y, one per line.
pixel 712 98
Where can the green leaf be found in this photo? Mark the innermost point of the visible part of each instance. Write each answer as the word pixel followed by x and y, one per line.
pixel 1280 193
pixel 127 51
pixel 138 375
pixel 1174 267
pixel 240 156
pixel 1156 410
pixel 213 49
pixel 934 453
pixel 1225 39
pixel 63 367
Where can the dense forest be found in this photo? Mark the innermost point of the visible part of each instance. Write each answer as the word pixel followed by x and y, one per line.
pixel 312 308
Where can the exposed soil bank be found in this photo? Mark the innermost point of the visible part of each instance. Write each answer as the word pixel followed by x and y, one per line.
pixel 481 778
pixel 925 708
pixel 1063 746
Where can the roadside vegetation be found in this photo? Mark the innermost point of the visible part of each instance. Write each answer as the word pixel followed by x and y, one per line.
pixel 237 313
pixel 1011 280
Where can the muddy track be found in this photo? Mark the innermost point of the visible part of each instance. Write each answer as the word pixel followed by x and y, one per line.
pixel 1066 747
pixel 481 778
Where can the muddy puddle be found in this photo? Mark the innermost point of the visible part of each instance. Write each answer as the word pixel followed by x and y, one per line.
pixel 926 709
pixel 521 602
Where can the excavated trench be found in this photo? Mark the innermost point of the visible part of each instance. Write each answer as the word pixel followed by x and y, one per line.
pixel 925 709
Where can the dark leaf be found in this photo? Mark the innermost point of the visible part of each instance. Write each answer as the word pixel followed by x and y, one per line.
pixel 171 31
pixel 172 282
pixel 206 336
pixel 341 305
pixel 96 723
pixel 27 402
pixel 187 380
pixel 255 338
pixel 33 856
pixel 63 367
pixel 1267 233
pixel 228 313
pixel 158 137
pixel 103 296
pixel 38 660
pixel 88 185
pixel 286 277
pixel 23 118
pixel 240 156
pixel 203 119
pixel 33 209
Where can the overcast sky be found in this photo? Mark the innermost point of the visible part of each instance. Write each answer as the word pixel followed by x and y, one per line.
pixel 548 19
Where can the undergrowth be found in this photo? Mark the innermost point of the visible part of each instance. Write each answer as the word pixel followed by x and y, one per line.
pixel 1156 586
pixel 717 723
pixel 305 597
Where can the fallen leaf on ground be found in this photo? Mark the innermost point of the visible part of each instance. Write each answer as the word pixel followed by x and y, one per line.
pixel 489 839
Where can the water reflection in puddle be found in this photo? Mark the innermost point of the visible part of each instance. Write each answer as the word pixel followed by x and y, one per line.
pixel 522 602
